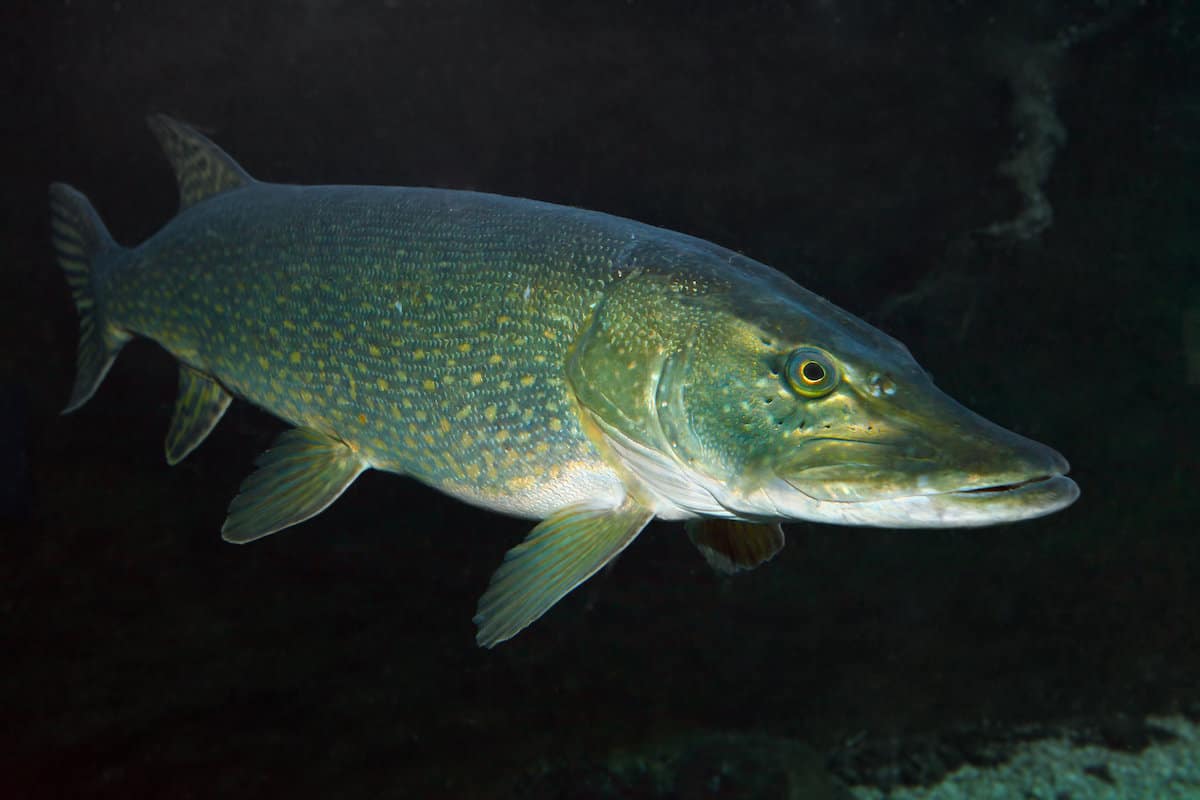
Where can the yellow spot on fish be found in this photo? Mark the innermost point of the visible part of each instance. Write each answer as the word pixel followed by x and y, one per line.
pixel 476 378
pixel 262 362
pixel 549 334
pixel 374 351
pixel 418 354
pixel 503 318
pixel 501 435
pixel 527 380
pixel 428 437
pixel 362 418
pixel 495 358
pixel 295 357
pixel 444 424
pixel 489 413
pixel 555 424
pixel 291 326
pixel 465 347
pixel 521 483
pixel 382 384
pixel 428 384
pixel 463 412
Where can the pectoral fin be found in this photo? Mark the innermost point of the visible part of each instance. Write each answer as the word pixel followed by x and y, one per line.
pixel 299 477
pixel 562 552
pixel 198 409
pixel 731 546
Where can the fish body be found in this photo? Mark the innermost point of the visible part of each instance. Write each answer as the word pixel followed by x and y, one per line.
pixel 554 363
pixel 413 324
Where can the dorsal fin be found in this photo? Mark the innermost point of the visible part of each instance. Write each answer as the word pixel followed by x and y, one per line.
pixel 202 168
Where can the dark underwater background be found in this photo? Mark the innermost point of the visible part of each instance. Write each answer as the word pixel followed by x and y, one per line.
pixel 857 146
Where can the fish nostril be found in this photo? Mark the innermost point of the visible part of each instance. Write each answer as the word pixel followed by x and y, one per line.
pixel 881 385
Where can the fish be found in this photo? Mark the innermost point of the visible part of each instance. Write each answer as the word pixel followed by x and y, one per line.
pixel 567 366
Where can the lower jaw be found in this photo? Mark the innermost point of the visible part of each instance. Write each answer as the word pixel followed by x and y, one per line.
pixel 1024 500
pixel 957 509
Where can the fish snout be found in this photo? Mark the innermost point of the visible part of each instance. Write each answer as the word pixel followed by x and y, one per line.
pixel 944 467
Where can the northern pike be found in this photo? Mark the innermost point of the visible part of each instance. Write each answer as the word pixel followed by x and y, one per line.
pixel 568 366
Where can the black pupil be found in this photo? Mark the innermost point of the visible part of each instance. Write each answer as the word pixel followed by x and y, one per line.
pixel 812 372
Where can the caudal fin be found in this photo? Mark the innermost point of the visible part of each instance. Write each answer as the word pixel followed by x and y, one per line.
pixel 80 239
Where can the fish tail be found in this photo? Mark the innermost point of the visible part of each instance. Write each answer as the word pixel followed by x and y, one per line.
pixel 84 248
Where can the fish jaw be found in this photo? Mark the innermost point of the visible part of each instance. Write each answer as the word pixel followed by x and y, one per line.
pixel 931 463
pixel 964 508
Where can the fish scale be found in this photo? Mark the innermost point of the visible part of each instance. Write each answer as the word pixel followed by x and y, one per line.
pixel 417 333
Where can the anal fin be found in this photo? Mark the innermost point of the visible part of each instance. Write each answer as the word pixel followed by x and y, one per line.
pixel 299 477
pixel 562 552
pixel 198 409
pixel 731 546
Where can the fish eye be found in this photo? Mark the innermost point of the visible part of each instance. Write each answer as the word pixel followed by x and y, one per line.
pixel 811 372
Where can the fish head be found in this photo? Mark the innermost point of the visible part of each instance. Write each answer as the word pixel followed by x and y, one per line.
pixel 770 403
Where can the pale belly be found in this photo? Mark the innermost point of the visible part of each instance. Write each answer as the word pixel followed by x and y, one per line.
pixel 560 485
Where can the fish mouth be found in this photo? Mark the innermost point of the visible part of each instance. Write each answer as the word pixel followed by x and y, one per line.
pixel 966 507
pixel 867 471
pixel 903 487
pixel 1048 483
pixel 1001 488
pixel 1045 493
